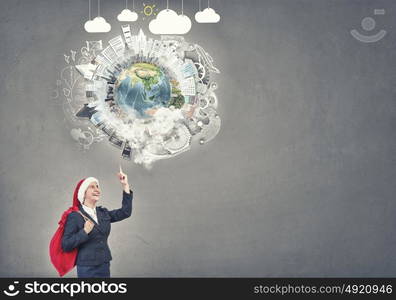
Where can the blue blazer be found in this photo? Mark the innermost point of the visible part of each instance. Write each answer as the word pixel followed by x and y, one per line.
pixel 92 247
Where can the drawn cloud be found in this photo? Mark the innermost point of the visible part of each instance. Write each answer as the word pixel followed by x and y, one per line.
pixel 169 22
pixel 208 15
pixel 127 16
pixel 98 24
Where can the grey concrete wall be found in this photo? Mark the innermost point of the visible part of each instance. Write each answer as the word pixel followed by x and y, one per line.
pixel 300 180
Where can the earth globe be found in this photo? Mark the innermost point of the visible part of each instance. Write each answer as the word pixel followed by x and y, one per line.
pixel 142 88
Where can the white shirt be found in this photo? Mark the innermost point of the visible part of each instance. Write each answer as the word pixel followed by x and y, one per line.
pixel 91 212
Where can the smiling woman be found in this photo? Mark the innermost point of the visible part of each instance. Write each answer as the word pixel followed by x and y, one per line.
pixel 88 228
pixel 92 194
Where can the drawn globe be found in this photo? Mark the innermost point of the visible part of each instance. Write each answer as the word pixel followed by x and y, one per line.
pixel 142 88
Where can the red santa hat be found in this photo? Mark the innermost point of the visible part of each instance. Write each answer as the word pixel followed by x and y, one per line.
pixel 82 186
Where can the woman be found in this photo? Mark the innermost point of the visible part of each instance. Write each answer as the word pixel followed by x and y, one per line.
pixel 88 229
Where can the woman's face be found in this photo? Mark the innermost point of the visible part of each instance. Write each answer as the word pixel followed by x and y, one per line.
pixel 92 193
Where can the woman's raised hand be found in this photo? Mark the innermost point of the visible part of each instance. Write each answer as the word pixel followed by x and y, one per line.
pixel 124 180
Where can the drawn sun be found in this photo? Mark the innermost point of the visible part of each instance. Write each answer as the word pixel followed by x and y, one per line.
pixel 149 10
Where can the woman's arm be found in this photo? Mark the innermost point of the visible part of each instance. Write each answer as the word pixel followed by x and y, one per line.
pixel 73 236
pixel 127 195
pixel 125 211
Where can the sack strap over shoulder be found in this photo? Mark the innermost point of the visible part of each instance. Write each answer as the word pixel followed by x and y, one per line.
pixel 85 217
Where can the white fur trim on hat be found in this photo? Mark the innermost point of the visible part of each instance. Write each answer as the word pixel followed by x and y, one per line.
pixel 84 186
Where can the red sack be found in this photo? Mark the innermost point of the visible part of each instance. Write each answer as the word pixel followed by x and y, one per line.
pixel 64 261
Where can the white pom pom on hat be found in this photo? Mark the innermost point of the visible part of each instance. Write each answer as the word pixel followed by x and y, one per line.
pixel 83 187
